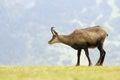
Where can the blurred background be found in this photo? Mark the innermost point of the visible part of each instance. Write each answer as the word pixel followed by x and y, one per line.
pixel 25 30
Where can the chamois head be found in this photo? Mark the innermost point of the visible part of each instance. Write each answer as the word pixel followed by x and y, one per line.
pixel 54 37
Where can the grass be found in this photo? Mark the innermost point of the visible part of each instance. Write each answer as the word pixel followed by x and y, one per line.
pixel 59 73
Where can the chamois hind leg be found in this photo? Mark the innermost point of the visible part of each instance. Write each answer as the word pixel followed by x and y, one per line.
pixel 78 57
pixel 102 55
pixel 87 54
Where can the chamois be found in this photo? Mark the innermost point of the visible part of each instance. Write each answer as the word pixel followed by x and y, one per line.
pixel 79 39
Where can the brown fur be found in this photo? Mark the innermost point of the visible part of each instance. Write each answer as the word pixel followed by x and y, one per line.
pixel 83 39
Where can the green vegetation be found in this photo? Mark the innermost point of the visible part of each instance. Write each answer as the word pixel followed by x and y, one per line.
pixel 59 73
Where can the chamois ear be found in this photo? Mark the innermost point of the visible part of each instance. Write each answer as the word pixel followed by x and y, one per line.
pixel 54 32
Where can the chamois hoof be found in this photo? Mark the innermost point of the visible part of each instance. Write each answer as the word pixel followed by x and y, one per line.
pixel 77 65
pixel 98 65
pixel 90 65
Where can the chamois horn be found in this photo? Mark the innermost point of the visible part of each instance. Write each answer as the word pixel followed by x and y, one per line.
pixel 53 31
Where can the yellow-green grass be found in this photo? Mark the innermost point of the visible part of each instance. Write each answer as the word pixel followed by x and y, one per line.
pixel 59 73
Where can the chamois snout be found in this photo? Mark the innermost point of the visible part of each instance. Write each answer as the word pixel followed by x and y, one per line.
pixel 52 40
pixel 49 42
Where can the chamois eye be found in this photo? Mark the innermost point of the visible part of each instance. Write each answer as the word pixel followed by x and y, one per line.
pixel 79 39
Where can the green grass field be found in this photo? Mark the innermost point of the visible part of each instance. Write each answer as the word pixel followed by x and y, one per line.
pixel 59 73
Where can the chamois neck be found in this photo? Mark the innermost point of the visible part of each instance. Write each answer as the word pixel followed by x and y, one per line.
pixel 64 39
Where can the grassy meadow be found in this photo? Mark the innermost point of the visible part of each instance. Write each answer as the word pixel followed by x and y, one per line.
pixel 59 73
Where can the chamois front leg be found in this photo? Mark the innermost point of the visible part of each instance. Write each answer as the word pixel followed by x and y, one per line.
pixel 87 54
pixel 78 57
